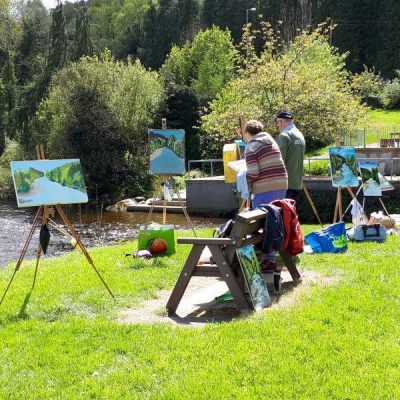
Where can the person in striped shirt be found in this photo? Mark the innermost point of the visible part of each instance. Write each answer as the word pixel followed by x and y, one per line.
pixel 266 171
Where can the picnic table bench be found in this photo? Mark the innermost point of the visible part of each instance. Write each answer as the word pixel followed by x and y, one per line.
pixel 247 229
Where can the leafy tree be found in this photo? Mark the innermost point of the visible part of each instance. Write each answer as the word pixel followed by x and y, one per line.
pixel 35 92
pixel 10 90
pixel 206 65
pixel 83 41
pixel 31 50
pixel 3 111
pixel 307 76
pixel 99 110
pixel 183 113
pixel 165 26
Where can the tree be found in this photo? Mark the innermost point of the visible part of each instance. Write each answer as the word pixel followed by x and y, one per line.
pixel 10 93
pixel 165 26
pixel 206 64
pixel 30 54
pixel 83 41
pixel 307 76
pixel 3 111
pixel 99 110
pixel 35 92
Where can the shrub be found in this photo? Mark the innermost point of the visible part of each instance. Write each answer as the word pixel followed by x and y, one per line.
pixel 99 110
pixel 306 76
pixel 390 96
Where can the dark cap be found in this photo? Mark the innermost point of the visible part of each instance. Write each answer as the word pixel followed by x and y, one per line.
pixel 284 114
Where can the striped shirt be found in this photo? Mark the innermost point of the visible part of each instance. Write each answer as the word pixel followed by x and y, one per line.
pixel 265 167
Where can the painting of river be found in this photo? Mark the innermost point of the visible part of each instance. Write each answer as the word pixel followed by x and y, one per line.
pixel 258 291
pixel 167 151
pixel 370 179
pixel 343 166
pixel 48 182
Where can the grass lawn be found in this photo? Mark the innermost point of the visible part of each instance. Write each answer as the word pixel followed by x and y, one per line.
pixel 338 342
pixel 384 117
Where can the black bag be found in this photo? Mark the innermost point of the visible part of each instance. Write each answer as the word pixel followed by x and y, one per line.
pixel 224 230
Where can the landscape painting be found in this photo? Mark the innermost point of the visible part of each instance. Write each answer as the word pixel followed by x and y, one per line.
pixel 167 151
pixel 370 179
pixel 48 182
pixel 252 273
pixel 343 166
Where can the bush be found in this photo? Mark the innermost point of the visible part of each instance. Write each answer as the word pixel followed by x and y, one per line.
pixel 99 110
pixel 13 152
pixel 306 76
pixel 391 93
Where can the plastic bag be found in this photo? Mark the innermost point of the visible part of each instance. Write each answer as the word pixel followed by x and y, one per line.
pixel 329 240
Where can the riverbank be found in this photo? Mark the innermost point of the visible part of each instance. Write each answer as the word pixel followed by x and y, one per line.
pixel 96 227
pixel 64 340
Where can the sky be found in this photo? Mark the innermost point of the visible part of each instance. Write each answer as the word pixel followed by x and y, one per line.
pixel 52 3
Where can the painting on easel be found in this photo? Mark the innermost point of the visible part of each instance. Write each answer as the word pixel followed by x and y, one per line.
pixel 167 151
pixel 370 179
pixel 252 273
pixel 48 182
pixel 343 166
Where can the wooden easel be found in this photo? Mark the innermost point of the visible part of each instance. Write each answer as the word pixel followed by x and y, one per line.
pixel 166 179
pixel 42 217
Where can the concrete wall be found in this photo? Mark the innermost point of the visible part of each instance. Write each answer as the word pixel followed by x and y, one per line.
pixel 390 156
pixel 211 196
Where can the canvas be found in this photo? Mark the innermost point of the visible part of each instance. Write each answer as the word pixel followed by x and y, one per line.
pixel 343 166
pixel 48 182
pixel 252 273
pixel 370 178
pixel 384 183
pixel 167 151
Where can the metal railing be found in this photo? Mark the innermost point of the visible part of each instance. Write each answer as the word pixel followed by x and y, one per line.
pixel 208 160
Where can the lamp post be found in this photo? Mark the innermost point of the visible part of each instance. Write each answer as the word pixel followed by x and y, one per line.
pixel 247 23
pixel 247 13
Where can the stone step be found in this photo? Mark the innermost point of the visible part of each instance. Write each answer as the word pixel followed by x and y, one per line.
pixel 170 203
pixel 156 209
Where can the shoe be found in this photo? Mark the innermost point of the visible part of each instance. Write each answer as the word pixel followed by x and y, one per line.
pixel 267 266
pixel 277 282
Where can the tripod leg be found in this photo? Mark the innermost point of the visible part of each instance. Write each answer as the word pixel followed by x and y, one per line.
pixel 24 250
pixel 312 204
pixel 81 245
pixel 185 211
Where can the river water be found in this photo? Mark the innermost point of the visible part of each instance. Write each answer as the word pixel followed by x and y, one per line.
pixel 95 228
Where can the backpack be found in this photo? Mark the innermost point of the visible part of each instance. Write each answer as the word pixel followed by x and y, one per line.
pixel 294 240
pixel 274 231
pixel 224 230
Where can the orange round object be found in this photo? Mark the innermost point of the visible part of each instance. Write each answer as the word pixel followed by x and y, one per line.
pixel 158 246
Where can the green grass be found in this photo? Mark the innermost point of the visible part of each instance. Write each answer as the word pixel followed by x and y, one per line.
pixel 384 117
pixel 339 342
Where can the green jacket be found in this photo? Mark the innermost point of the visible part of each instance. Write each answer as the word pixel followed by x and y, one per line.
pixel 292 145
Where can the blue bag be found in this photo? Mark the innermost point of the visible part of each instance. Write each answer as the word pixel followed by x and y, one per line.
pixel 329 240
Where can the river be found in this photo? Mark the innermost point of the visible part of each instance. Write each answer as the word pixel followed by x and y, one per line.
pixel 95 228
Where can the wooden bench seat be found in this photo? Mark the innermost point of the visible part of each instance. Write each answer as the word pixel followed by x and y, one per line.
pixel 247 229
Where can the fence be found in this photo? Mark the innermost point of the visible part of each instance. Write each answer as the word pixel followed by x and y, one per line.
pixel 210 166
pixel 369 135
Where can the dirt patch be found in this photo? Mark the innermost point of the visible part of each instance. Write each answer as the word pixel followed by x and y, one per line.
pixel 198 305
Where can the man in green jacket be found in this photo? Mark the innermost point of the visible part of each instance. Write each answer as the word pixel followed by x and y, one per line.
pixel 292 145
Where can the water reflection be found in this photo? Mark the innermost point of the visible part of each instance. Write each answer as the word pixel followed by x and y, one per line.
pixel 95 228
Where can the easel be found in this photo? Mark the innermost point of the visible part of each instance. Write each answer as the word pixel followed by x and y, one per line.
pixel 42 217
pixel 312 204
pixel 168 179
